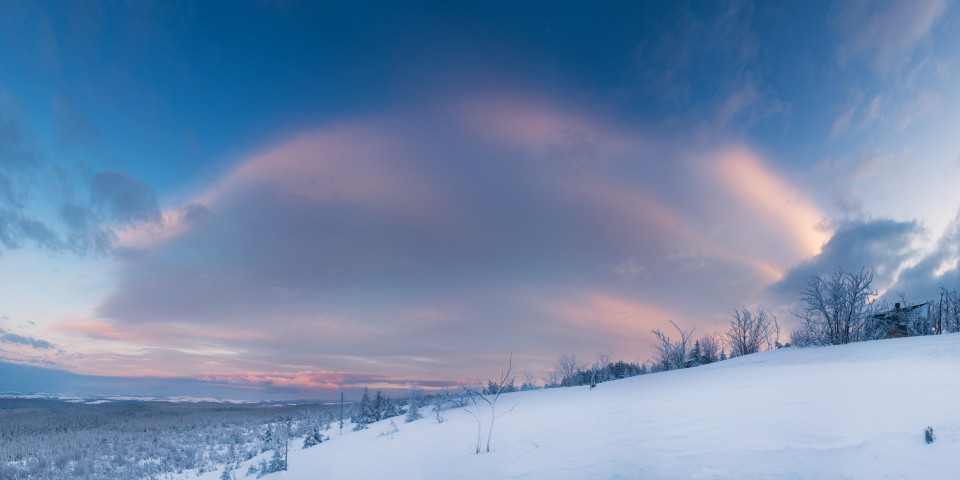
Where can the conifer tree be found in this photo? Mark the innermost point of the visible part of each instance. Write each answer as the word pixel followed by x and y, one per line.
pixel 696 357
pixel 363 415
pixel 379 407
pixel 414 412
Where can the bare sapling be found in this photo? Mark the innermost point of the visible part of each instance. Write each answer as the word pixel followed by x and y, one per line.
pixel 477 396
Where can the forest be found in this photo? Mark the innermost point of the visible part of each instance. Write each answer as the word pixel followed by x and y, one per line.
pixel 52 439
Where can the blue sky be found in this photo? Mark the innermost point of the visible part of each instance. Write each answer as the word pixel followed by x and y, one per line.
pixel 285 195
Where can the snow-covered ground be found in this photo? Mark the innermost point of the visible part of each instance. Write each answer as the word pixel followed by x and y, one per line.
pixel 855 411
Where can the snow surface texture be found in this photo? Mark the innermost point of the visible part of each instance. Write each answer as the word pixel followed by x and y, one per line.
pixel 854 411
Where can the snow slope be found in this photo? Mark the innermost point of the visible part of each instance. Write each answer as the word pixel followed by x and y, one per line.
pixel 854 411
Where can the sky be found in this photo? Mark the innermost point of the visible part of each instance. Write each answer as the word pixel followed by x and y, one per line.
pixel 297 198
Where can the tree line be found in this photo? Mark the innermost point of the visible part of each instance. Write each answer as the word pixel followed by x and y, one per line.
pixel 836 309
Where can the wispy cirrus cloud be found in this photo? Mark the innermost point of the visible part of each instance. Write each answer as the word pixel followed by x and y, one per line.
pixel 883 33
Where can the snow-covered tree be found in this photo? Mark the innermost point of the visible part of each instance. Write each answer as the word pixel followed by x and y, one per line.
pixel 696 355
pixel 379 406
pixel 710 348
pixel 565 370
pixel 364 413
pixel 314 437
pixel 670 355
pixel 413 411
pixel 946 311
pixel 836 310
pixel 749 333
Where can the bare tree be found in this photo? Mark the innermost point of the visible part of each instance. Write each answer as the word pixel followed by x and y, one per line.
pixel 836 310
pixel 490 396
pixel 710 347
pixel 671 355
pixel 529 382
pixel 567 367
pixel 439 404
pixel 551 378
pixel 948 311
pixel 601 372
pixel 749 333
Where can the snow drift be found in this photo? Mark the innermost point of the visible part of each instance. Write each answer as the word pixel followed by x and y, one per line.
pixel 852 411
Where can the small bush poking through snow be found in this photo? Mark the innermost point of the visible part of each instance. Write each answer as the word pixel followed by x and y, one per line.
pixel 928 435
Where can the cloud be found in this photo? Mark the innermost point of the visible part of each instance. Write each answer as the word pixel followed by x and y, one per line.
pixel 926 103
pixel 390 244
pixel 30 183
pixel 857 116
pixel 769 195
pixel 866 176
pixel 322 382
pixel 745 104
pixel 627 269
pixel 939 266
pixel 123 198
pixel 14 339
pixel 883 33
pixel 16 229
pixel 708 68
pixel 882 246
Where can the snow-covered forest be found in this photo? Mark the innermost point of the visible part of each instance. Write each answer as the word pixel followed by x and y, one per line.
pixel 53 439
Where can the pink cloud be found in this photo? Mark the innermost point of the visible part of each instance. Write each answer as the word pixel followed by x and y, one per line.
pixel 155 334
pixel 613 315
pixel 364 167
pixel 771 197
pixel 306 381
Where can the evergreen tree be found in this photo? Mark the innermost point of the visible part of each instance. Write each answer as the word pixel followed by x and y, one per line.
pixel 414 412
pixel 267 439
pixel 364 413
pixel 379 407
pixel 276 462
pixel 313 438
pixel 696 356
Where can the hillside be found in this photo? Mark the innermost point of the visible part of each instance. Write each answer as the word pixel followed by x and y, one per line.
pixel 854 411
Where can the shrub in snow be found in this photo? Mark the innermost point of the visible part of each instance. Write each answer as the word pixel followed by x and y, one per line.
pixel 389 432
pixel 928 435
